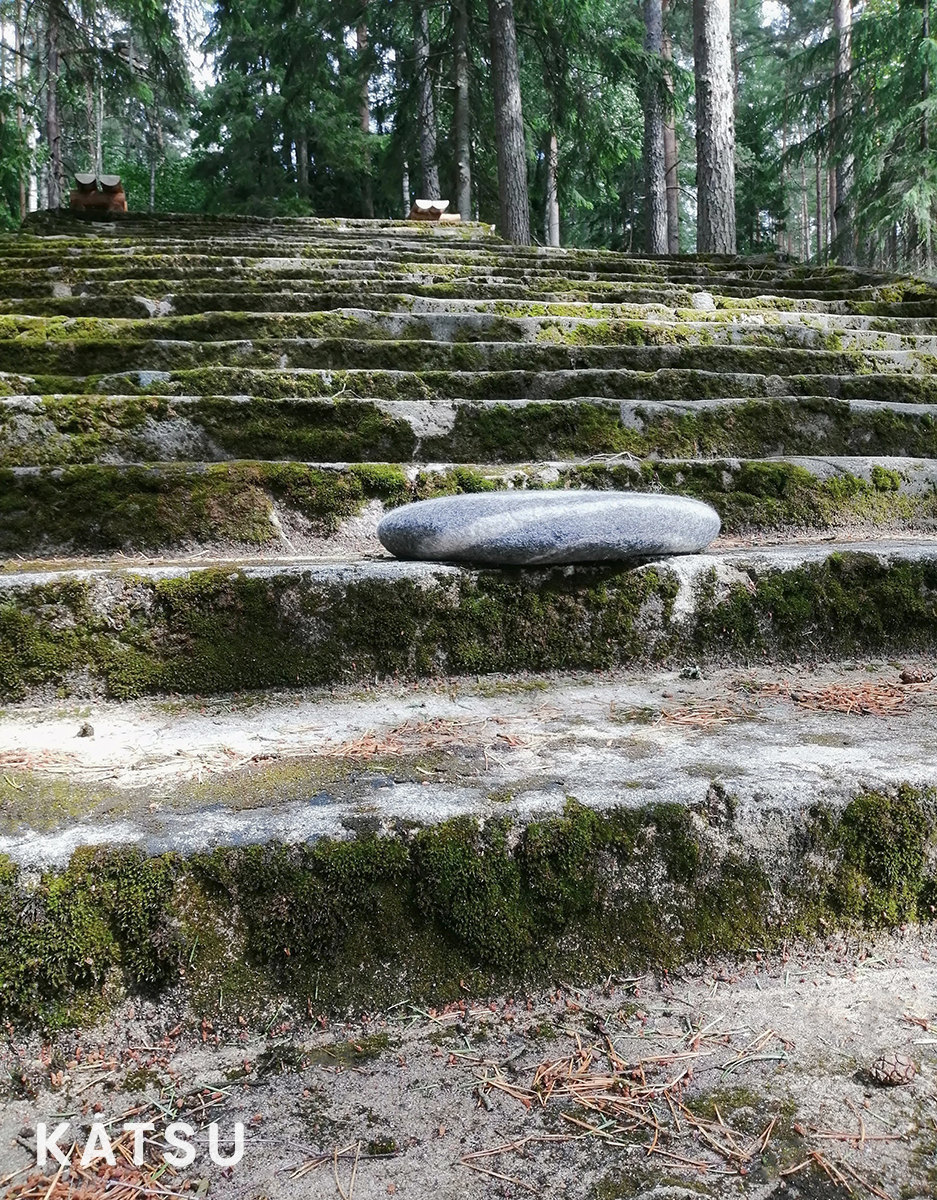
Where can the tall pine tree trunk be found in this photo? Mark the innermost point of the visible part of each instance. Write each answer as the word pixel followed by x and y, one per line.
pixel 364 118
pixel 99 132
pixel 842 220
pixel 18 40
pixel 460 116
pixel 509 123
pixel 655 183
pixel 302 164
pixel 671 153
pixel 90 121
pixel 552 221
pixel 715 127
pixel 925 139
pixel 427 108
pixel 53 130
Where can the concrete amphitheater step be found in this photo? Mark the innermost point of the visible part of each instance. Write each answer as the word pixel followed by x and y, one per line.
pixel 230 625
pixel 75 355
pixel 294 766
pixel 446 811
pixel 44 430
pixel 332 509
pixel 445 323
pixel 268 849
pixel 896 299
pixel 665 384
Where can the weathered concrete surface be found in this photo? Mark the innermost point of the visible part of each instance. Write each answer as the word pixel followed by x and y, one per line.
pixel 416 1095
pixel 172 628
pixel 241 770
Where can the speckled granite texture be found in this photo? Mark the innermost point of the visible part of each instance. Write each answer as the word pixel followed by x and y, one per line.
pixel 533 528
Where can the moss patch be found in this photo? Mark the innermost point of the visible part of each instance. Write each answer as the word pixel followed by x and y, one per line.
pixel 226 630
pixel 94 508
pixel 420 912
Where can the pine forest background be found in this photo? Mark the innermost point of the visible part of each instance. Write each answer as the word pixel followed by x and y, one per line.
pixel 347 108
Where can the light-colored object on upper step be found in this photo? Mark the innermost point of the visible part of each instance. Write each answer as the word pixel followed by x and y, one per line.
pixel 428 210
pixel 705 301
pixel 88 197
pixel 535 528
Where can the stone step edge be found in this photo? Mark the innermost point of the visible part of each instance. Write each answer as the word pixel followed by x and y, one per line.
pixel 131 631
pixel 431 912
pixel 442 325
pixel 37 431
pixel 401 305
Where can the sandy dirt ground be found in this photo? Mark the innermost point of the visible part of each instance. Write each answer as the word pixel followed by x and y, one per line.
pixel 734 1080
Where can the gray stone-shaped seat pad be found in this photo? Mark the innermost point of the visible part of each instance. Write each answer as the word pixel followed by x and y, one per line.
pixel 533 528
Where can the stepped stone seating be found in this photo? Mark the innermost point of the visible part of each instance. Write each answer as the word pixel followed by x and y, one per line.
pixel 202 422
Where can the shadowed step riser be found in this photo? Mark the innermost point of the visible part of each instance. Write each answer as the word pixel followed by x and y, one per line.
pixel 652 329
pixel 61 430
pixel 128 633
pixel 78 357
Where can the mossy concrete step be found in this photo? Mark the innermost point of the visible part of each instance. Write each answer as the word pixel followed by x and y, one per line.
pixel 744 747
pixel 58 430
pixel 458 318
pixel 442 324
pixel 86 356
pixel 492 284
pixel 453 258
pixel 279 507
pixel 130 631
pixel 156 285
pixel 450 257
pixel 674 384
pixel 459 246
pixel 423 845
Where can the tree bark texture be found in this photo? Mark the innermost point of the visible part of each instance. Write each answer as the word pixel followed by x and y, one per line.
pixel 18 77
pixel 671 156
pixel 715 127
pixel 509 124
pixel 53 130
pixel 460 116
pixel 552 222
pixel 842 223
pixel 427 120
pixel 302 164
pixel 655 183
pixel 364 118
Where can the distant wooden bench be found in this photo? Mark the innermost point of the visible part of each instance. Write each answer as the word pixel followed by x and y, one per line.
pixel 88 197
pixel 433 210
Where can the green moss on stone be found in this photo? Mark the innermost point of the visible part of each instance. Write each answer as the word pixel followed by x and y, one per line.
pixel 224 630
pixel 63 935
pixel 418 912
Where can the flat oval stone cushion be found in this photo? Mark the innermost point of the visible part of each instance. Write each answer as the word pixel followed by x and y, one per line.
pixel 533 528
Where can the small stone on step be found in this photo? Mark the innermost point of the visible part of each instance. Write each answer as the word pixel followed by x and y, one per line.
pixel 540 528
pixel 86 730
pixel 704 301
